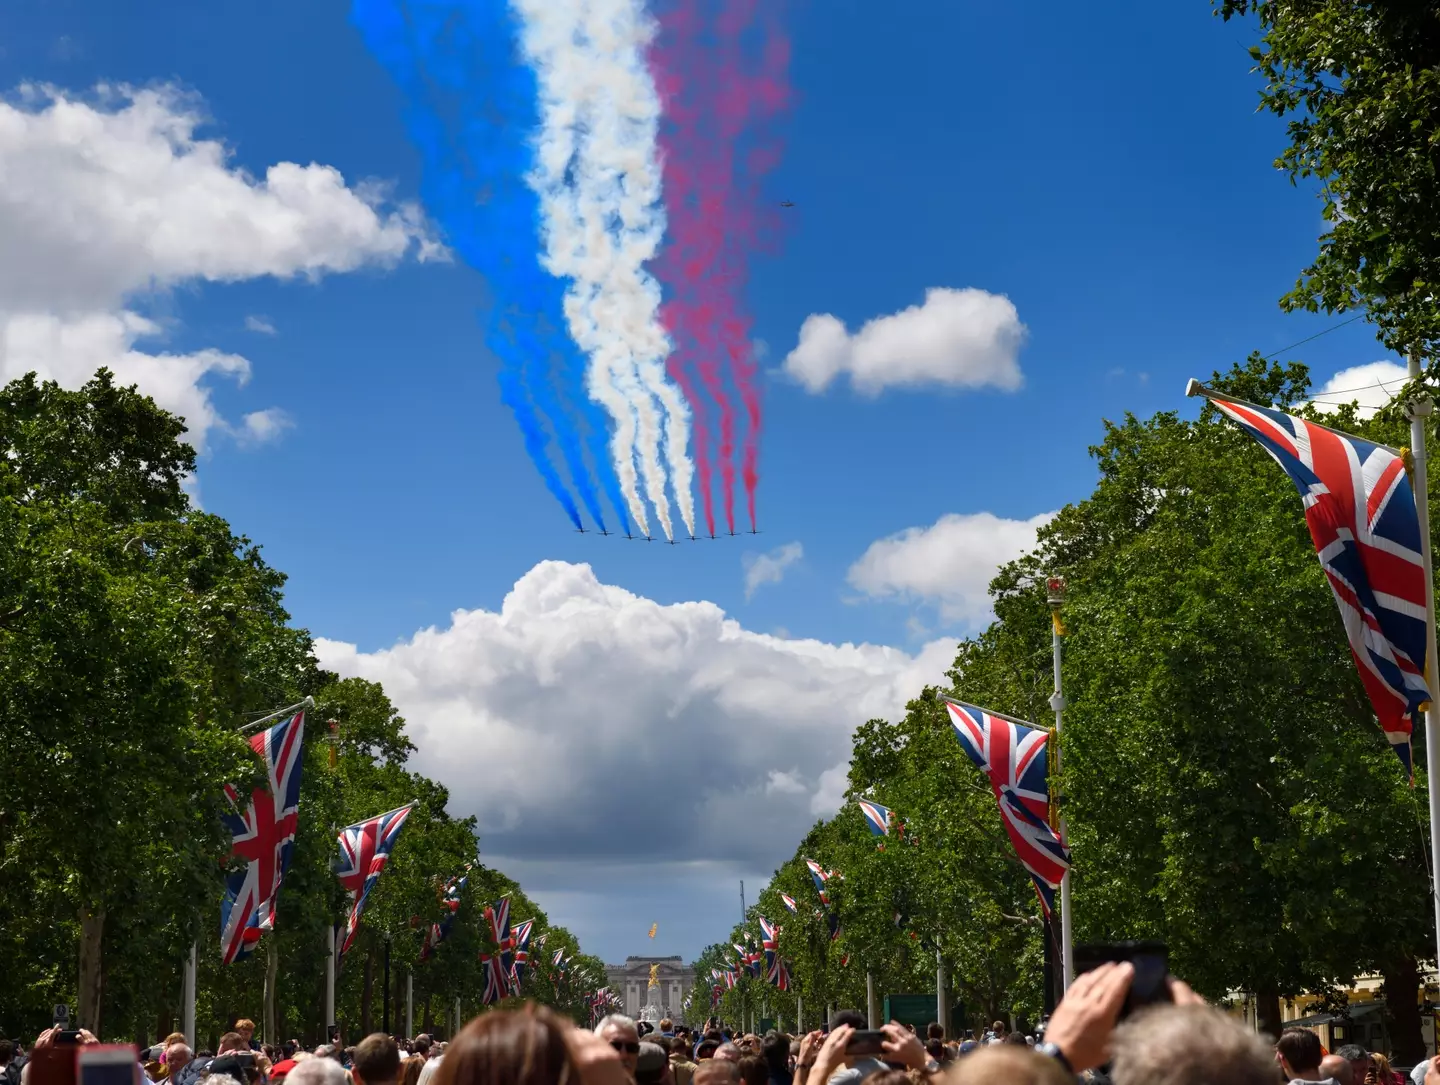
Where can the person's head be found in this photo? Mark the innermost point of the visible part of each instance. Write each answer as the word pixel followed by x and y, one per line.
pixel 1016 1038
pixel 7 1052
pixel 377 1060
pixel 231 1041
pixel 888 1077
pixel 854 1018
pixel 775 1050
pixel 1193 1045
pixel 1358 1058
pixel 410 1069
pixel 937 1051
pixel 753 1070
pixel 729 1053
pixel 422 1045
pixel 510 1047
pixel 1339 1068
pixel 1380 1065
pixel 620 1032
pixel 1007 1064
pixel 651 1064
pixel 667 1025
pixel 717 1072
pixel 173 1038
pixel 1300 1052
pixel 706 1048
pixel 935 1031
pixel 178 1056
pixel 246 1028
pixel 316 1071
pixel 999 1029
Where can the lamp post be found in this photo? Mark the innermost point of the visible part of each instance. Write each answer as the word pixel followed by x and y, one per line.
pixel 1055 597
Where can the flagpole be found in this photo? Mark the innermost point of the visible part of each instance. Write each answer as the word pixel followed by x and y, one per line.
pixel 1419 409
pixel 187 997
pixel 410 1004
pixel 1055 596
pixel 308 702
pixel 329 978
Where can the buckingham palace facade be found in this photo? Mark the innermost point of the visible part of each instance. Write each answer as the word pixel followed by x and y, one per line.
pixel 631 983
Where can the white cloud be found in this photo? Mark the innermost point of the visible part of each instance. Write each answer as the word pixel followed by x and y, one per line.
pixel 769 568
pixel 1371 385
pixel 959 338
pixel 69 350
pixel 950 563
pixel 259 324
pixel 260 427
pixel 580 712
pixel 106 201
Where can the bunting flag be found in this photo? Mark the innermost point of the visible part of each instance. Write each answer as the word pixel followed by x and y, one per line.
pixel 820 876
pixel 1361 513
pixel 1013 757
pixel 780 975
pixel 789 902
pixel 364 850
pixel 263 834
pixel 450 897
pixel 559 959
pixel 769 942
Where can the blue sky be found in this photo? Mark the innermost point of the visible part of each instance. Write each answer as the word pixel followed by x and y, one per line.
pixel 1103 168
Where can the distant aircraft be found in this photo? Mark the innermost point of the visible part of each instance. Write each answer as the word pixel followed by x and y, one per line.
pixel 604 531
pixel 787 203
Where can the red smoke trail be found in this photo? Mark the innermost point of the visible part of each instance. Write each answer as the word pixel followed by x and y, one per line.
pixel 715 95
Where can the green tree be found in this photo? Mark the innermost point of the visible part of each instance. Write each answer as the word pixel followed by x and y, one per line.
pixel 1360 86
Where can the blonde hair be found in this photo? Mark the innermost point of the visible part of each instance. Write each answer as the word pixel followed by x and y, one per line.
pixel 1007 1064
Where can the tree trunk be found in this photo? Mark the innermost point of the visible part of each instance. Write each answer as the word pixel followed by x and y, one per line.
pixel 427 1023
pixel 1402 999
pixel 367 995
pixel 1267 1012
pixel 92 977
pixel 272 973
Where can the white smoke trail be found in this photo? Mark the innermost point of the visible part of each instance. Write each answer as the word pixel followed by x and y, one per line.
pixel 598 177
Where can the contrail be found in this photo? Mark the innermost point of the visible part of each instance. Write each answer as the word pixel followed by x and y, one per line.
pixel 721 68
pixel 598 177
pixel 470 109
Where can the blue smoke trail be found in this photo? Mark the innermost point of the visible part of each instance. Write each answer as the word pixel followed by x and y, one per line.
pixel 472 112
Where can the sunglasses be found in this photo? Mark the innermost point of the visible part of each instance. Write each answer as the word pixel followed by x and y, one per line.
pixel 630 1047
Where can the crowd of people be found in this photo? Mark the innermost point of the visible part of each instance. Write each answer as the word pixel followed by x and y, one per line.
pixel 1182 1041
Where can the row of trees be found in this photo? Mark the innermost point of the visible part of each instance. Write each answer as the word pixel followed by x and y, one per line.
pixel 137 633
pixel 1227 789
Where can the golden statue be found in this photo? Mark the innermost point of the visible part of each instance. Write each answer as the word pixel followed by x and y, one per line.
pixel 654 976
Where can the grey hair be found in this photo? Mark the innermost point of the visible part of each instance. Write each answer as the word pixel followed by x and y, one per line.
pixel 320 1071
pixel 179 1047
pixel 619 1020
pixel 1189 1045
pixel 221 1079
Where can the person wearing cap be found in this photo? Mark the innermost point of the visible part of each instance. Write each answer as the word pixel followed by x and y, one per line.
pixel 280 1069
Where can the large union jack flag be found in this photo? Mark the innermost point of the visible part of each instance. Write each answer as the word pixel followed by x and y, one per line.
pixel 364 850
pixel 498 965
pixel 1361 514
pixel 1014 758
pixel 264 836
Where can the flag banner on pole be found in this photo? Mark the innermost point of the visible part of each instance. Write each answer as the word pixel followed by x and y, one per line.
pixel 450 896
pixel 789 902
pixel 820 876
pixel 769 942
pixel 263 834
pixel 1361 513
pixel 522 953
pixel 1014 759
pixel 877 818
pixel 364 850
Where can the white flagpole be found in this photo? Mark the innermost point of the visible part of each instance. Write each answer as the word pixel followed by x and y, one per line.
pixel 410 1004
pixel 1055 592
pixel 1419 409
pixel 329 978
pixel 187 998
pixel 308 702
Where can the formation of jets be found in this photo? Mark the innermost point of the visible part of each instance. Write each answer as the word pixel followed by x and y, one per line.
pixel 672 542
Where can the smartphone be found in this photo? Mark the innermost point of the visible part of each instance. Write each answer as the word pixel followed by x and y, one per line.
pixel 107 1064
pixel 865 1041
pixel 1151 984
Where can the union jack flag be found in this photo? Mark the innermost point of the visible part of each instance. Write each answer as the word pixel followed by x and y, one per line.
pixel 821 876
pixel 364 850
pixel 1013 757
pixel 498 965
pixel 522 953
pixel 1361 513
pixel 263 834
pixel 769 943
pixel 780 974
pixel 450 895
pixel 877 818
pixel 559 959
pixel 789 902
